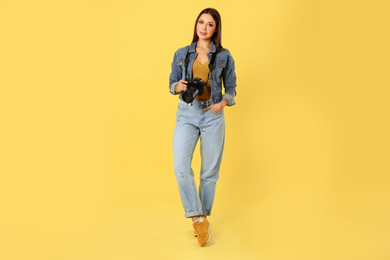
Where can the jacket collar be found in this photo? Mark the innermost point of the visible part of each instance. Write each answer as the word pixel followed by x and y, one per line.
pixel 193 47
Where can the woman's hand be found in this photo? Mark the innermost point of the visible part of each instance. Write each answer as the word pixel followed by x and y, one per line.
pixel 216 108
pixel 181 86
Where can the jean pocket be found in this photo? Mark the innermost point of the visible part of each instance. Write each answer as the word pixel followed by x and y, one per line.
pixel 215 113
pixel 182 105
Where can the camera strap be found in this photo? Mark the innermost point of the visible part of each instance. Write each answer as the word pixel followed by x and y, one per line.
pixel 211 64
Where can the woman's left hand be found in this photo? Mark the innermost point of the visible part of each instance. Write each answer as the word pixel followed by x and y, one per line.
pixel 216 108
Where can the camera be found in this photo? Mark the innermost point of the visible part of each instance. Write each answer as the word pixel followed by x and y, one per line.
pixel 195 87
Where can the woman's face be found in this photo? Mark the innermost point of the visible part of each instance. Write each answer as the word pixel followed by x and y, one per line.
pixel 206 27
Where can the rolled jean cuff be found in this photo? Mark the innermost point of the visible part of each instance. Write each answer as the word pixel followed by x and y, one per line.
pixel 206 212
pixel 194 214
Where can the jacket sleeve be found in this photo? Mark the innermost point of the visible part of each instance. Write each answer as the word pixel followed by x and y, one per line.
pixel 229 81
pixel 176 74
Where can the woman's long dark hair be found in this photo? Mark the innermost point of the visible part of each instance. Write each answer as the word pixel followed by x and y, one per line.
pixel 216 38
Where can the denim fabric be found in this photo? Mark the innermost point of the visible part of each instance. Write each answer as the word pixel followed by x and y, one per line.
pixel 192 123
pixel 224 72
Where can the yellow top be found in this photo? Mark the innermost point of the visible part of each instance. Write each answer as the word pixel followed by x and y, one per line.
pixel 202 71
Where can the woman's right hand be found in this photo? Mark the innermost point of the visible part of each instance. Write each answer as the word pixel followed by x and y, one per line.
pixel 181 86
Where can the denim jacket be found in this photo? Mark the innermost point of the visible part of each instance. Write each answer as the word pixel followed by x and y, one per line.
pixel 224 71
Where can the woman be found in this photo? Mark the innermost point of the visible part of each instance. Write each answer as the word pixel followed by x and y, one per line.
pixel 202 118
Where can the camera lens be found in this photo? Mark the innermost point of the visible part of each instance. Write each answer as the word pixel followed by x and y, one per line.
pixel 188 96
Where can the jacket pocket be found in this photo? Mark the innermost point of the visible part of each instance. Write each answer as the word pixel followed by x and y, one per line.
pixel 221 64
pixel 179 62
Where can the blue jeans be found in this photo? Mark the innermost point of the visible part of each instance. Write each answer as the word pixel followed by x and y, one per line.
pixel 193 122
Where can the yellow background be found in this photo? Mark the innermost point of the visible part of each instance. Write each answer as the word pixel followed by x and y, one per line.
pixel 87 122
